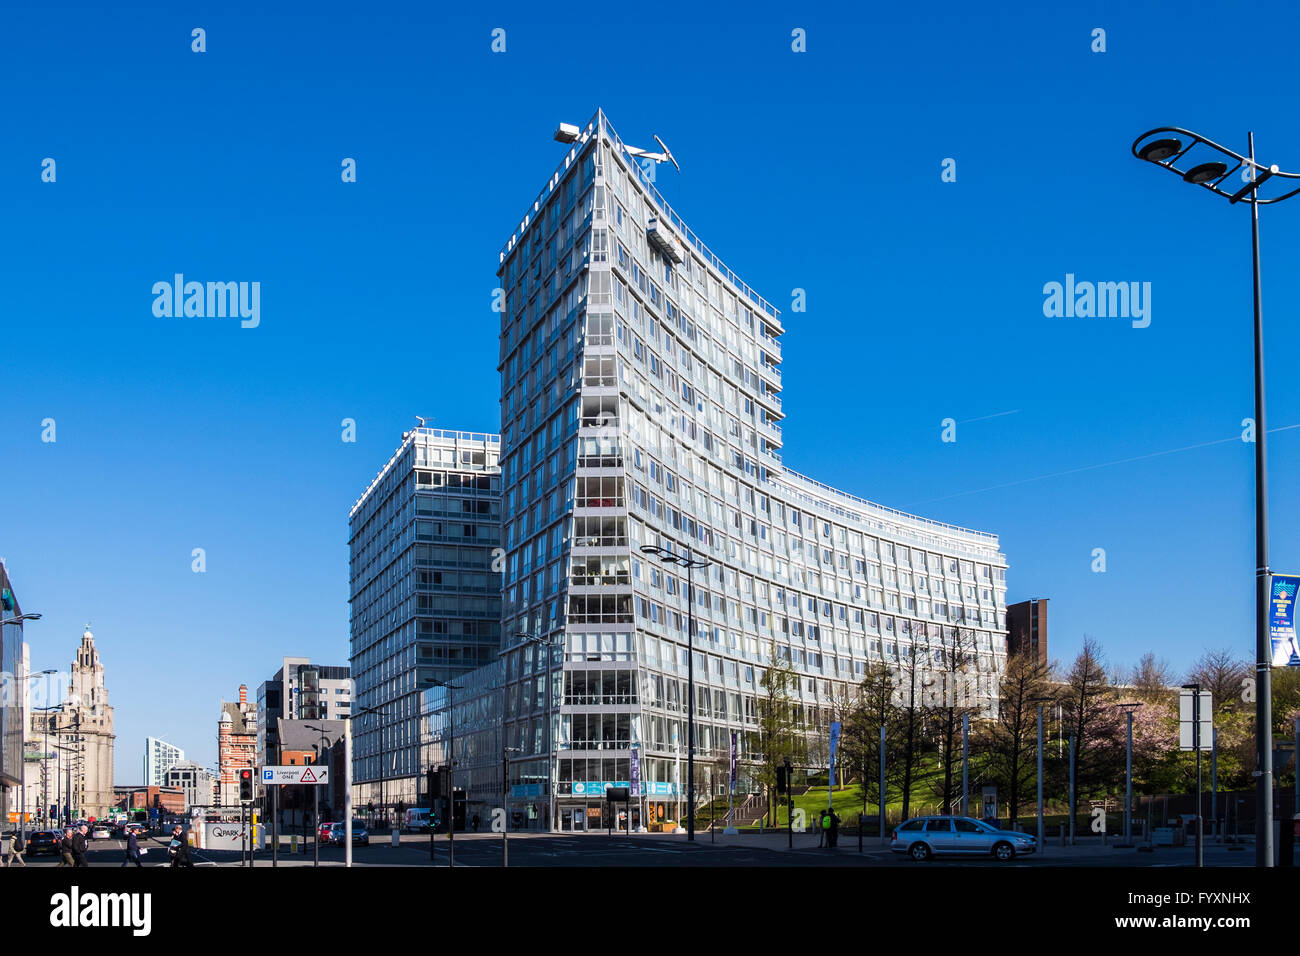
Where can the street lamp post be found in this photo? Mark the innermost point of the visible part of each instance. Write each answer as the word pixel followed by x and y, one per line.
pixel 1163 147
pixel 1128 709
pixel 1040 701
pixel 690 563
pixel 451 767
pixel 22 722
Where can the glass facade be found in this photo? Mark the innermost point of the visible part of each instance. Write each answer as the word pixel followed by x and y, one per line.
pixel 641 405
pixel 425 595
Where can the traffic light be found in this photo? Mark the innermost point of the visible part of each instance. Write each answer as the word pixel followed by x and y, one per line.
pixel 434 776
pixel 781 781
pixel 246 784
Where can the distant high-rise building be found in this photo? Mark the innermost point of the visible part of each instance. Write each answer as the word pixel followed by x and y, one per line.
pixel 159 756
pixel 1027 628
pixel 300 690
pixel 425 579
pixel 193 779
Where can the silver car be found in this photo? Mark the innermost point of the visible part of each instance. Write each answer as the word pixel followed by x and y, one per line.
pixel 924 837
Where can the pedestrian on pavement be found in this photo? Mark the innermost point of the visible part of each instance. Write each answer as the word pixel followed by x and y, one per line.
pixel 834 830
pixel 16 850
pixel 66 857
pixel 179 849
pixel 824 831
pixel 474 823
pixel 80 842
pixel 132 849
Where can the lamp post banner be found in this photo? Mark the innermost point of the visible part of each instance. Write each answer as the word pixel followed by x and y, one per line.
pixel 733 762
pixel 635 772
pixel 835 739
pixel 1281 620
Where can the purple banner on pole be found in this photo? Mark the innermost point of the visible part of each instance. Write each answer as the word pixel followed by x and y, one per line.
pixel 733 761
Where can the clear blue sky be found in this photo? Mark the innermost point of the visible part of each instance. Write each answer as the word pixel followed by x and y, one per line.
pixel 818 171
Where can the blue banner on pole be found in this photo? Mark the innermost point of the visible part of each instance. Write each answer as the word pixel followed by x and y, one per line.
pixel 835 739
pixel 1281 620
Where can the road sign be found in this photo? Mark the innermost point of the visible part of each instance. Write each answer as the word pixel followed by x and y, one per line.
pixel 309 775
pixel 1187 725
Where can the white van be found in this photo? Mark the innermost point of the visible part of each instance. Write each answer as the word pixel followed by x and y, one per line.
pixel 417 820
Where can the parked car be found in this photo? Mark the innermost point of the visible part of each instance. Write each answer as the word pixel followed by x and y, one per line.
pixel 43 841
pixel 924 837
pixel 359 835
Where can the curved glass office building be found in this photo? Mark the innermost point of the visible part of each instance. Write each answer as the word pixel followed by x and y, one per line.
pixel 641 405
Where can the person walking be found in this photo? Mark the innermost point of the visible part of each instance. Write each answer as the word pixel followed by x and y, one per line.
pixel 80 843
pixel 179 849
pixel 132 849
pixel 66 857
pixel 824 831
pixel 834 831
pixel 16 850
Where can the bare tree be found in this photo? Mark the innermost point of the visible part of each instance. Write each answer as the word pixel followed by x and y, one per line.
pixel 1011 741
pixel 905 768
pixel 1223 674
pixel 950 702
pixel 1087 697
pixel 1151 679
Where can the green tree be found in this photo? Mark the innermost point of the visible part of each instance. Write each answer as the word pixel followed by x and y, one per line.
pixel 776 721
pixel 873 707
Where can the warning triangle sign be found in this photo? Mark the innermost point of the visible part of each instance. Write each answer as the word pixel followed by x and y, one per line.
pixel 307 776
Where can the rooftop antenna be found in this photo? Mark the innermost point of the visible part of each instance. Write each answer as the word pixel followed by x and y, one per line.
pixel 569 133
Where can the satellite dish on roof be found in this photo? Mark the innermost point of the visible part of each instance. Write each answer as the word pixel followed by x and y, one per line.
pixel 668 154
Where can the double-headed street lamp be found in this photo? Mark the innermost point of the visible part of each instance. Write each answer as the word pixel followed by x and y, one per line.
pixel 690 563
pixel 1165 147
pixel 1128 709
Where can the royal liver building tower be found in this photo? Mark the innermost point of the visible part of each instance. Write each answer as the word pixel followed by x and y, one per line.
pixel 641 400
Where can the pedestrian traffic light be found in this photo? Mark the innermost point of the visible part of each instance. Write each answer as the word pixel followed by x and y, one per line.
pixel 435 783
pixel 246 784
pixel 780 780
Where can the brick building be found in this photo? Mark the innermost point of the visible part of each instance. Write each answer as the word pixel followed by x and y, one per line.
pixel 236 746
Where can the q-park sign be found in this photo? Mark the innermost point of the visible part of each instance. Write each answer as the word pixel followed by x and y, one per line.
pixel 308 774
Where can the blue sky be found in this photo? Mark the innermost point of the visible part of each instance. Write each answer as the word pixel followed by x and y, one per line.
pixel 818 171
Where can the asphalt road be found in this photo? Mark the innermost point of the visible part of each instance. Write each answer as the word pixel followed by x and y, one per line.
pixel 654 850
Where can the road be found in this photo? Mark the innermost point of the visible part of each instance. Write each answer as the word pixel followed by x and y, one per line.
pixel 656 850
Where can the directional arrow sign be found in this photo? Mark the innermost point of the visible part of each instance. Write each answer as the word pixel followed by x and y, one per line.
pixel 308 775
